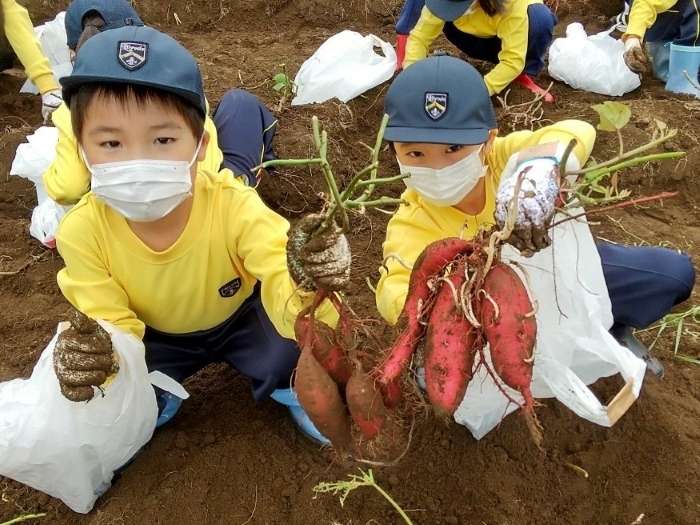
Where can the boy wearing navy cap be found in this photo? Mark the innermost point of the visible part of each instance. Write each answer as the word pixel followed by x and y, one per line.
pixel 444 132
pixel 242 126
pixel 187 259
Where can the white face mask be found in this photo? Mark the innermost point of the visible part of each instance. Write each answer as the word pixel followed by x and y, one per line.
pixel 143 190
pixel 449 185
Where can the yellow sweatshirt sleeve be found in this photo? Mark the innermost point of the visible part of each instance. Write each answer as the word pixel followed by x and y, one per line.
pixel 643 15
pixel 261 242
pixel 426 30
pixel 561 132
pixel 20 33
pixel 67 178
pixel 513 32
pixel 86 281
pixel 407 235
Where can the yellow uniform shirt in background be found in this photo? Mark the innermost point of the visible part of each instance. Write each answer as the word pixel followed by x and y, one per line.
pixel 511 27
pixel 231 234
pixel 67 179
pixel 643 15
pixel 20 33
pixel 419 222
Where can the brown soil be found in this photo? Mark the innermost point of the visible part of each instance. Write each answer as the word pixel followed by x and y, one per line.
pixel 226 460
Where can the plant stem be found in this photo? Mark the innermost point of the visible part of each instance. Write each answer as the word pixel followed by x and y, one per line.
pixel 375 156
pixel 26 517
pixel 629 163
pixel 288 162
pixel 393 503
pixel 632 153
pixel 385 180
pixel 377 202
pixel 633 202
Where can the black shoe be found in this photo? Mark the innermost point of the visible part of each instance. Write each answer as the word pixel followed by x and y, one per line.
pixel 626 338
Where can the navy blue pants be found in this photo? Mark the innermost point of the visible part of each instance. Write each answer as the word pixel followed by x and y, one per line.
pixel 644 283
pixel 247 341
pixel 678 25
pixel 246 129
pixel 542 22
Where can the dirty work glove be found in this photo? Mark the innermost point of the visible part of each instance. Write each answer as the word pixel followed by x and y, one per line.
pixel 50 102
pixel 538 194
pixel 635 56
pixel 83 358
pixel 318 260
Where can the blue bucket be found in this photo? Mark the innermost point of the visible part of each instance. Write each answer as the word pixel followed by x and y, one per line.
pixel 684 60
pixel 288 398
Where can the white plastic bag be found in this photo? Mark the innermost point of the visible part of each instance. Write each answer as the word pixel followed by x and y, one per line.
pixel 70 450
pixel 345 66
pixel 52 37
pixel 572 350
pixel 31 160
pixel 591 63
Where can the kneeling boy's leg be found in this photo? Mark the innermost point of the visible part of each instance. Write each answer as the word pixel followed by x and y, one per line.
pixel 246 129
pixel 542 22
pixel 258 351
pixel 644 283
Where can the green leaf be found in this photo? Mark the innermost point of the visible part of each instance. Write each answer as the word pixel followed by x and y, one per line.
pixel 613 115
pixel 281 78
pixel 279 86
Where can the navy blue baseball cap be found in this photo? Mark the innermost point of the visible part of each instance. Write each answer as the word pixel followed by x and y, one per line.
pixel 139 56
pixel 448 10
pixel 439 100
pixel 115 13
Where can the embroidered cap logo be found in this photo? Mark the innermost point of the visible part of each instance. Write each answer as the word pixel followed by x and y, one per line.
pixel 132 55
pixel 436 105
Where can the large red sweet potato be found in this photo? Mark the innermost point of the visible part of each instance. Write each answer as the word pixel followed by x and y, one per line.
pixel 450 348
pixel 326 349
pixel 320 398
pixel 430 262
pixel 366 404
pixel 511 330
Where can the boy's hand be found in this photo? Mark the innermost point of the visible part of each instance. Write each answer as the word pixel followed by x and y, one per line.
pixel 83 358
pixel 634 55
pixel 50 102
pixel 318 260
pixel 539 190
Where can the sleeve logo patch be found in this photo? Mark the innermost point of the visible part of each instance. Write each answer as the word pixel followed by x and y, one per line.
pixel 132 55
pixel 230 288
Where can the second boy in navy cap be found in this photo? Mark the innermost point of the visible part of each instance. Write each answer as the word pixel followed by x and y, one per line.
pixel 246 126
pixel 444 132
pixel 187 259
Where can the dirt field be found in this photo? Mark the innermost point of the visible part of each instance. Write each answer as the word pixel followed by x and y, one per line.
pixel 227 460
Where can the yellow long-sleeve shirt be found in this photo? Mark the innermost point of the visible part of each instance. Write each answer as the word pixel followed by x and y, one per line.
pixel 419 222
pixel 511 27
pixel 67 179
pixel 231 238
pixel 20 33
pixel 643 15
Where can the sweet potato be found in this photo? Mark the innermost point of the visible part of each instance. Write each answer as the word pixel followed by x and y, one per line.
pixel 320 398
pixel 325 347
pixel 365 403
pixel 430 262
pixel 450 348
pixel 511 330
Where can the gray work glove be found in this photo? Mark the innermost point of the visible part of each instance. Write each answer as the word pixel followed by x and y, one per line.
pixel 318 260
pixel 83 358
pixel 539 166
